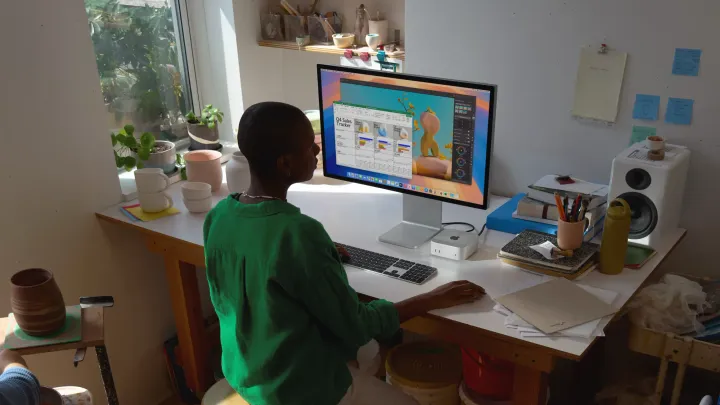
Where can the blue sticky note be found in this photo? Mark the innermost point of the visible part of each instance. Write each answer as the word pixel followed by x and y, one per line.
pixel 686 62
pixel 640 133
pixel 646 107
pixel 679 111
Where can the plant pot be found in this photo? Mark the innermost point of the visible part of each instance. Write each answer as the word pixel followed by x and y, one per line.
pixel 164 160
pixel 237 173
pixel 204 138
pixel 37 302
pixel 203 166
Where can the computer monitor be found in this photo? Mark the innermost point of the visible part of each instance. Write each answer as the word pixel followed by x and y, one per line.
pixel 428 138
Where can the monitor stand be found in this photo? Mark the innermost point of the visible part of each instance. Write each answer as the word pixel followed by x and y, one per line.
pixel 422 219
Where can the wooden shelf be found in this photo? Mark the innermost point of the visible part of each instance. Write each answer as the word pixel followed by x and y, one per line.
pixel 328 49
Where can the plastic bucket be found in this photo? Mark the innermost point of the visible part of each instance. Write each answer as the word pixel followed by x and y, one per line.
pixel 466 398
pixel 487 376
pixel 430 372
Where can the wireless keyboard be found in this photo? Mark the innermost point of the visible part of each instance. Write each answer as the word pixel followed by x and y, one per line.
pixel 388 266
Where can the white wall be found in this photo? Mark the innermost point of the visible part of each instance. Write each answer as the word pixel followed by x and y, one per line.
pixel 56 170
pixel 531 51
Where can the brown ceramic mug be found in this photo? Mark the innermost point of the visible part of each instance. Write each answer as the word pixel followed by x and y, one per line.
pixel 37 302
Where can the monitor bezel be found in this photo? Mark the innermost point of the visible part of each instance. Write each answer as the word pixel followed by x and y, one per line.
pixel 434 80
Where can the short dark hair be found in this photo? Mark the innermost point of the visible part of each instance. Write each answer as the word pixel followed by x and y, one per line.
pixel 266 132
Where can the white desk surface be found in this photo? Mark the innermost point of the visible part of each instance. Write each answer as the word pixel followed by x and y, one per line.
pixel 356 215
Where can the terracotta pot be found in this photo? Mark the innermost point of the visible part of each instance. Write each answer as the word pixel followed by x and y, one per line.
pixel 37 302
pixel 204 166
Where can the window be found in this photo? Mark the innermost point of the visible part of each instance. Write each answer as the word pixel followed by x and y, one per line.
pixel 143 65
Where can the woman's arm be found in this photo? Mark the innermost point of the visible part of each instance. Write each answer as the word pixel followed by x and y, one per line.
pixel 18 386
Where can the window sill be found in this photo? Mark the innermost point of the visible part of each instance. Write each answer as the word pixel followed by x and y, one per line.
pixel 127 179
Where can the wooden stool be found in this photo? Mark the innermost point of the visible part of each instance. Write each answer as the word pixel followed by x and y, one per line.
pixel 221 393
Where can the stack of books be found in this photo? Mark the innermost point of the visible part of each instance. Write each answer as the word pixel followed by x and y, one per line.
pixel 519 254
pixel 539 203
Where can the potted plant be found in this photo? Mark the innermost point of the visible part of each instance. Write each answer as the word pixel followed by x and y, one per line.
pixel 203 130
pixel 131 152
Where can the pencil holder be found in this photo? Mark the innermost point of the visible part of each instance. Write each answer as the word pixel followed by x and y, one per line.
pixel 570 234
pixel 272 27
pixel 295 26
pixel 320 32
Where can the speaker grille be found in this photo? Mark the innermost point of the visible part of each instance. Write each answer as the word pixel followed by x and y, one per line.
pixel 638 179
pixel 644 215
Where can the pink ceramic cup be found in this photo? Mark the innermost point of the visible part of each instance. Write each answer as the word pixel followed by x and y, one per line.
pixel 204 166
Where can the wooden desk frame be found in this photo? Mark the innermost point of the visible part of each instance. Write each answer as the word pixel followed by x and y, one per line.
pixel 182 259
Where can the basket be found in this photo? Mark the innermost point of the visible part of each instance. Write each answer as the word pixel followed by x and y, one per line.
pixel 319 32
pixel 295 26
pixel 430 372
pixel 271 27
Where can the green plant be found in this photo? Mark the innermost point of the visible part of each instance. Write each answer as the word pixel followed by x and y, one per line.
pixel 126 145
pixel 210 116
pixel 180 163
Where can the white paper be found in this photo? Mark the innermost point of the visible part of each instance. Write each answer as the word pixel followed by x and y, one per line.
pixel 598 85
pixel 546 249
pixel 579 187
pixel 586 330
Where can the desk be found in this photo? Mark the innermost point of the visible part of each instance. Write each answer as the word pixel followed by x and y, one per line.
pixel 354 214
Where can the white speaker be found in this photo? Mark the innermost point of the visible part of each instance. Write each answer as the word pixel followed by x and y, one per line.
pixel 653 189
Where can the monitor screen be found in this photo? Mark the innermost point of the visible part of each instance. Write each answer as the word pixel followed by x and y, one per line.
pixel 419 135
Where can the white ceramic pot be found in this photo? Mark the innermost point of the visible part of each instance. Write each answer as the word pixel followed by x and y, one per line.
pixel 373 40
pixel 237 172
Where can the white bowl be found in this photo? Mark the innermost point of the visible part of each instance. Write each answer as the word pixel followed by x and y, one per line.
pixel 203 205
pixel 194 190
pixel 343 40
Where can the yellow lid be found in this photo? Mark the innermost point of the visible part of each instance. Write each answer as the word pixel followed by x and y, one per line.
pixel 425 364
pixel 618 209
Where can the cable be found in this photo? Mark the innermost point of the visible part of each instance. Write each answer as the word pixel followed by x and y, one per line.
pixel 472 227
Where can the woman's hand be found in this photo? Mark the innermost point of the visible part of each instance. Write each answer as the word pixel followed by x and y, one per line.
pixel 445 296
pixel 454 293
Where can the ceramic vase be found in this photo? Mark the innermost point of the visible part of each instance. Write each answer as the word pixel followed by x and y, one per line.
pixel 164 160
pixel 204 166
pixel 37 302
pixel 237 172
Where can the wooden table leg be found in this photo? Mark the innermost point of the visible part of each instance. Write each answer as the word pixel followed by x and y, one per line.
pixel 185 296
pixel 529 387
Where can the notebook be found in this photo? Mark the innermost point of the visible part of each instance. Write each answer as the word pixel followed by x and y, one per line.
pixel 519 249
pixel 556 305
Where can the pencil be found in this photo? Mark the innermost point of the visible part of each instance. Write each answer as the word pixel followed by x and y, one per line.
pixel 561 210
pixel 566 208
pixel 583 210
pixel 576 208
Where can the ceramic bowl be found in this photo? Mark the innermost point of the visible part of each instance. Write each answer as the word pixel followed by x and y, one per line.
pixel 373 41
pixel 198 206
pixel 195 190
pixel 343 40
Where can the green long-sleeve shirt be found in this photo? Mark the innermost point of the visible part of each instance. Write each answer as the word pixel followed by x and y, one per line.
pixel 289 321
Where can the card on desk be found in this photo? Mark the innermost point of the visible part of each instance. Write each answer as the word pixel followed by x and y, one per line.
pixel 556 305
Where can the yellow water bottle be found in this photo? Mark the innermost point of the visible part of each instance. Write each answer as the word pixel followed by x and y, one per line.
pixel 615 237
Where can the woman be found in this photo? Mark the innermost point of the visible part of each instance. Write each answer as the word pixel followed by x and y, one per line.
pixel 289 321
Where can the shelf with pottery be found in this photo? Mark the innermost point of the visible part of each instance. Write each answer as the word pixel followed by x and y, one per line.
pixel 328 49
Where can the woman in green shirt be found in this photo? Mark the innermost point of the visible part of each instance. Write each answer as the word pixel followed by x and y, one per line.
pixel 289 321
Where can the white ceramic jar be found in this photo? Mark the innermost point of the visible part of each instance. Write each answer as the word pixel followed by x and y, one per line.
pixel 237 172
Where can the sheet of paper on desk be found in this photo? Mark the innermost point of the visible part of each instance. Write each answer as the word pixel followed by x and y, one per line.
pixel 585 331
pixel 598 84
pixel 556 305
pixel 500 278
